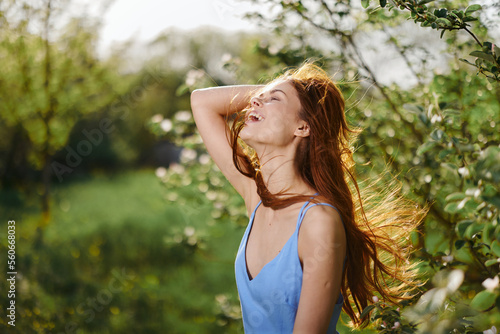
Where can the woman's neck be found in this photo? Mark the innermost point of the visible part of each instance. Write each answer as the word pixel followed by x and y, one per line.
pixel 280 174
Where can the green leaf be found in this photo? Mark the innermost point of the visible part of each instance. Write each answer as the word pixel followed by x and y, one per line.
pixel 459 244
pixel 423 2
pixel 181 90
pixel 414 109
pixel 466 61
pixel 466 148
pixel 491 262
pixel 460 140
pixel 495 200
pixel 451 207
pixel 455 197
pixel 454 15
pixel 366 310
pixel 426 147
pixel 470 18
pixel 483 300
pixel 450 167
pixel 488 233
pixel 365 3
pixel 437 134
pixel 451 112
pixel 472 230
pixel 472 8
pixel 414 238
pixel 443 21
pixel 496 50
pixel 495 248
pixel 462 226
pixel 441 12
pixel 423 118
pixel 483 55
pixel 443 153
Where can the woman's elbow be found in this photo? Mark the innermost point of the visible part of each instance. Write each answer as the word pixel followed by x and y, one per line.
pixel 196 99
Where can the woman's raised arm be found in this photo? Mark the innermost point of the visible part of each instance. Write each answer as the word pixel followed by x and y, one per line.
pixel 210 107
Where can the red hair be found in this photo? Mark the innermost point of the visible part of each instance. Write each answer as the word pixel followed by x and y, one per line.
pixel 377 234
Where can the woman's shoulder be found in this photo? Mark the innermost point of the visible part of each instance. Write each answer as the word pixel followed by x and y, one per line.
pixel 322 211
pixel 322 220
pixel 321 227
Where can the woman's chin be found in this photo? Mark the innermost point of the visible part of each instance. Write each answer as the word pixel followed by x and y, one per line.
pixel 245 135
pixel 246 138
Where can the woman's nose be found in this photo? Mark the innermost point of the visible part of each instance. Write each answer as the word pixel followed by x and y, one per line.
pixel 255 101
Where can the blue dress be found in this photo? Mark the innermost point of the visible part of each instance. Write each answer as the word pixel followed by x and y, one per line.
pixel 270 300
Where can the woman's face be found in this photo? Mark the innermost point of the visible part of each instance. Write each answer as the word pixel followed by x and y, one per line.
pixel 273 116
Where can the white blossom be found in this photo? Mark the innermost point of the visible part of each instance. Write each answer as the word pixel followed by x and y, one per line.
pixel 204 159
pixel 161 172
pixel 447 258
pixel 183 116
pixel 455 279
pixel 189 231
pixel 464 171
pixel 157 118
pixel 492 330
pixel 226 57
pixel 491 284
pixel 193 76
pixel 187 155
pixel 176 168
pixel 436 119
pixel 166 125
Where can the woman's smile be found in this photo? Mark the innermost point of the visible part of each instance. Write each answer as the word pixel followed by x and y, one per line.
pixel 254 117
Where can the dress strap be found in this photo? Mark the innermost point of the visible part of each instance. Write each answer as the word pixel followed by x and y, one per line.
pixel 302 213
pixel 304 209
pixel 255 210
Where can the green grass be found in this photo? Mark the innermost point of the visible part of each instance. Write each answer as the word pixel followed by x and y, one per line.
pixel 109 224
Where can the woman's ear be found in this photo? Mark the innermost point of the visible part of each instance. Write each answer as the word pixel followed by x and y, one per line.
pixel 302 130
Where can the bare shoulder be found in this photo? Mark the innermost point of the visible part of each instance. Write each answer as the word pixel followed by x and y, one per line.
pixel 321 225
pixel 322 219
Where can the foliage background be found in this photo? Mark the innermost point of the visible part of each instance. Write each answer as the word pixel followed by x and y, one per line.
pixel 123 223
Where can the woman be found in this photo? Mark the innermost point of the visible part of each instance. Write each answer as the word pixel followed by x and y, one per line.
pixel 309 243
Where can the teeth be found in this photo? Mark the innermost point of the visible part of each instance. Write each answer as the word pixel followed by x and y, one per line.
pixel 256 116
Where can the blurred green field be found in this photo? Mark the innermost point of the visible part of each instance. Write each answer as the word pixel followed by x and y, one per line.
pixel 117 257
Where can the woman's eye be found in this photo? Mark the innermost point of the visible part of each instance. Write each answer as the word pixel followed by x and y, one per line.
pixel 274 98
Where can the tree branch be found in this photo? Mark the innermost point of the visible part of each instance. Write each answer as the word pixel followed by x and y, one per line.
pixel 473 36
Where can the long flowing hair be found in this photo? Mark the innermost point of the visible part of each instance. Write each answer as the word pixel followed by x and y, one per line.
pixel 377 233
